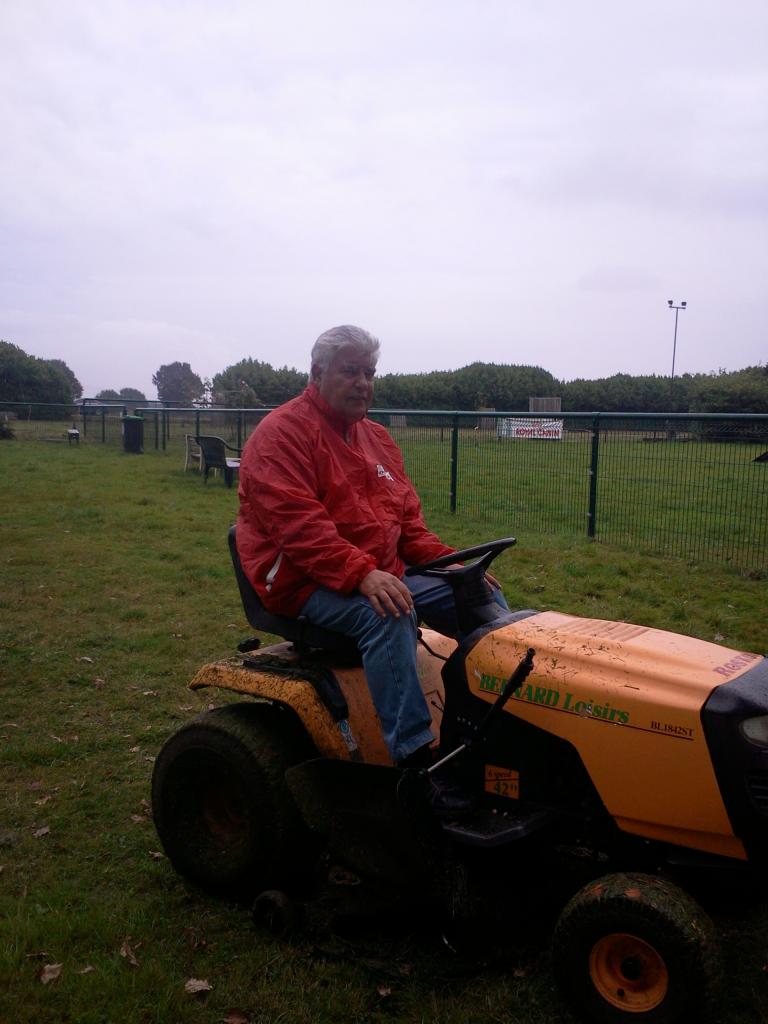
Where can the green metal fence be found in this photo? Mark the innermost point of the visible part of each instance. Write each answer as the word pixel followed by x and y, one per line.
pixel 695 487
pixel 684 485
pixel 163 429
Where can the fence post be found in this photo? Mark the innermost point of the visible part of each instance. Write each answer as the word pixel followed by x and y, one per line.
pixel 239 428
pixel 103 425
pixel 454 461
pixel 592 514
pixel 157 429
pixel 164 431
pixel 197 423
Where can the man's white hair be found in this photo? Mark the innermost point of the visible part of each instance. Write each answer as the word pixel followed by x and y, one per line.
pixel 329 343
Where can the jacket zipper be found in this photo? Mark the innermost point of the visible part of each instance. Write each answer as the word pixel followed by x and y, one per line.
pixel 273 571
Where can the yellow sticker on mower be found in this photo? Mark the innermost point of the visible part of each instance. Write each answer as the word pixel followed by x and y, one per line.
pixel 502 781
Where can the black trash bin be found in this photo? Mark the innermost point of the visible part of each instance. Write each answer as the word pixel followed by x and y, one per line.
pixel 133 434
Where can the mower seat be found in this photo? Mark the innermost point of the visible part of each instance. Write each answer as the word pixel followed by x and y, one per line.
pixel 302 634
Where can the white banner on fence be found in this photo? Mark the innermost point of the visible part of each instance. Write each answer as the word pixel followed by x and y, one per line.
pixel 547 430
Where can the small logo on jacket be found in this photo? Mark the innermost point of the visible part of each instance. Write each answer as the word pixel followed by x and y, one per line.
pixel 384 472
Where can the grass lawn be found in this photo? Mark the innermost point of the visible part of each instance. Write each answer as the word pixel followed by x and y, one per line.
pixel 115 585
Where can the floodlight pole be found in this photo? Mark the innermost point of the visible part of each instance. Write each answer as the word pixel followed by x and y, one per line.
pixel 683 305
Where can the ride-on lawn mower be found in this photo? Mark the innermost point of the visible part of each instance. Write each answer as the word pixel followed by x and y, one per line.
pixel 635 754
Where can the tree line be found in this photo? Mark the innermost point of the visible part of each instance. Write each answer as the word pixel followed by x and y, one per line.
pixel 26 378
pixel 252 383
pixel 507 387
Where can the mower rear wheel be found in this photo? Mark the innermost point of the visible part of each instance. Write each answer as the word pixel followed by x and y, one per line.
pixel 632 947
pixel 220 803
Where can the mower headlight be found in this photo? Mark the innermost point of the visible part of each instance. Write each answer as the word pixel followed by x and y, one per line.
pixel 756 730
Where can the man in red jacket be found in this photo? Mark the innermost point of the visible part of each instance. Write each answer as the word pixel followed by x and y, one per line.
pixel 328 522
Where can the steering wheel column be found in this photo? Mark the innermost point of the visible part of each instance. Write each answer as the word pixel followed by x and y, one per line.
pixel 473 596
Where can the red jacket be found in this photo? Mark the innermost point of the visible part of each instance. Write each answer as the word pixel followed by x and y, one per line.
pixel 317 509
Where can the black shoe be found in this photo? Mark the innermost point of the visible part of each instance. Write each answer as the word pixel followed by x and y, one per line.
pixel 448 798
pixel 418 790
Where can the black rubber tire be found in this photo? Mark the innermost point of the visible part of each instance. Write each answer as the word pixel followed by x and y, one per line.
pixel 633 947
pixel 221 807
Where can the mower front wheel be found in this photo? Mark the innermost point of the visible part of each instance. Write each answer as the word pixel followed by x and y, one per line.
pixel 632 947
pixel 220 802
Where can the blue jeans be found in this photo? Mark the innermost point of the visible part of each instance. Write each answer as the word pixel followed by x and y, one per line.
pixel 388 648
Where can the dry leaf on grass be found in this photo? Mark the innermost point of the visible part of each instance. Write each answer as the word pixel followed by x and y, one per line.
pixel 86 659
pixel 87 969
pixel 50 972
pixel 41 832
pixel 236 1017
pixel 197 985
pixel 195 939
pixel 156 855
pixel 127 952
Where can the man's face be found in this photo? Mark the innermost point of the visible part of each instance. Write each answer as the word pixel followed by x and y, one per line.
pixel 347 384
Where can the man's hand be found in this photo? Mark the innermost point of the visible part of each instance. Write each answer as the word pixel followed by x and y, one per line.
pixel 387 594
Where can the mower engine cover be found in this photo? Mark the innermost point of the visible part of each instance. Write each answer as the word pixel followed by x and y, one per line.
pixel 642 708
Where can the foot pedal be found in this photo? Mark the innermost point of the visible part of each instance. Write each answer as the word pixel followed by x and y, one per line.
pixel 484 828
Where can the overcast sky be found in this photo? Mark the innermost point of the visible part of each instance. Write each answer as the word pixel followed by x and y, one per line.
pixel 518 181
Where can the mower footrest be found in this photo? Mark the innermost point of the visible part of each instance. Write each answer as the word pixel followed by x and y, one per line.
pixel 484 828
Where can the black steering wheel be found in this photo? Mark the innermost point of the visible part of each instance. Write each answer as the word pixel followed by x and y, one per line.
pixel 484 552
pixel 472 594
